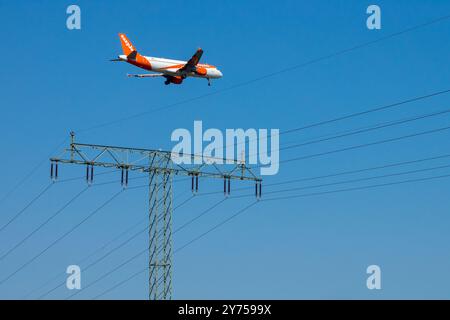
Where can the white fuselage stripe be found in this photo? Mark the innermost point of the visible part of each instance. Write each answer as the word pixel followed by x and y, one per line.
pixel 164 66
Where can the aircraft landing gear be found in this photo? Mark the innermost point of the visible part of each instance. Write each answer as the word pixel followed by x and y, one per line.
pixel 167 82
pixel 209 82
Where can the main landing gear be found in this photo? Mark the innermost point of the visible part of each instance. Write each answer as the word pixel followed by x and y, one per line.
pixel 209 82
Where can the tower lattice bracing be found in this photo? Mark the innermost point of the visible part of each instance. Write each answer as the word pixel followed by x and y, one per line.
pixel 161 169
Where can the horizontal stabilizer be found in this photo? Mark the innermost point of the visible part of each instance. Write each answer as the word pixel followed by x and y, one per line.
pixel 146 75
pixel 132 55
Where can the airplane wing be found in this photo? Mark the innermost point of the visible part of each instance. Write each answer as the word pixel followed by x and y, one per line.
pixel 146 75
pixel 190 65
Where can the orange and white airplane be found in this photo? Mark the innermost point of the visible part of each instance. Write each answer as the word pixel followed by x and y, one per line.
pixel 174 71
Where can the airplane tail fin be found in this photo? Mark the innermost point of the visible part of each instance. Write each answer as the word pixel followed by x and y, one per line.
pixel 127 46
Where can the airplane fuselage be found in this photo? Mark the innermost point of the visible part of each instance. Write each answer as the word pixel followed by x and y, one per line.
pixel 171 67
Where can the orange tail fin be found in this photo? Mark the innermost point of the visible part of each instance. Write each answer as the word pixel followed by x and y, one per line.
pixel 127 46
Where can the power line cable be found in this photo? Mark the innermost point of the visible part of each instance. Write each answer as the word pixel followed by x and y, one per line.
pixel 181 248
pixel 352 132
pixel 365 112
pixel 128 240
pixel 60 238
pixel 339 173
pixel 104 246
pixel 359 188
pixel 216 226
pixel 18 214
pixel 353 115
pixel 385 166
pixel 54 215
pixel 364 145
pixel 134 257
pixel 273 199
pixel 28 175
pixel 376 127
pixel 134 275
pixel 346 132
pixel 187 223
pixel 350 181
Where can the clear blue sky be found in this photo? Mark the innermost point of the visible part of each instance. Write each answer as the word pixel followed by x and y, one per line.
pixel 54 80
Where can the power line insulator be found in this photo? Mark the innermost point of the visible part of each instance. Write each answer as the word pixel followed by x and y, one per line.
pixel 196 183
pixel 121 177
pixel 89 173
pixel 92 173
pixel 225 186
pixel 260 190
pixel 126 177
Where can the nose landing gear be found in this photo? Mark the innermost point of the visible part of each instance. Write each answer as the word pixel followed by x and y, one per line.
pixel 209 81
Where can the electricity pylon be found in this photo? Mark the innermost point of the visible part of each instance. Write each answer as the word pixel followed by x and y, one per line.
pixel 160 168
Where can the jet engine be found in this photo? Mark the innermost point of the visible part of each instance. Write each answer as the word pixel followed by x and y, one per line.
pixel 173 79
pixel 201 71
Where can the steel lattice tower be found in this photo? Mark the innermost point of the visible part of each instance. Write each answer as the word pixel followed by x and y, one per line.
pixel 161 169
pixel 160 234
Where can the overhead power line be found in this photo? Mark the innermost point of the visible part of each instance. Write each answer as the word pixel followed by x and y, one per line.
pixel 108 253
pixel 353 132
pixel 216 226
pixel 140 253
pixel 59 238
pixel 339 173
pixel 241 211
pixel 4 255
pixel 361 113
pixel 413 135
pixel 34 231
pixel 134 275
pixel 29 174
pixel 187 223
pixel 373 128
pixel 18 214
pixel 396 174
pixel 384 166
pixel 365 112
pixel 359 188
pixel 104 246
